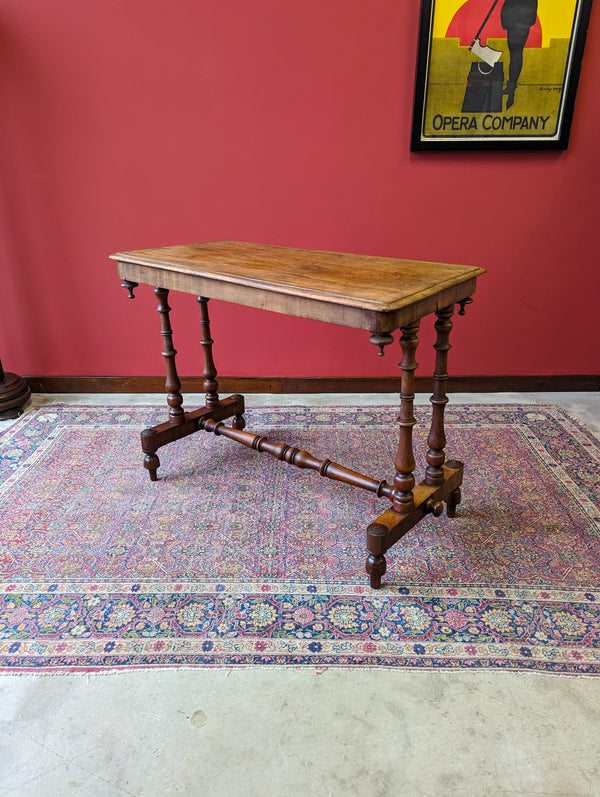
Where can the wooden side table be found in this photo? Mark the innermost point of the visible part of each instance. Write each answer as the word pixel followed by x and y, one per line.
pixel 376 294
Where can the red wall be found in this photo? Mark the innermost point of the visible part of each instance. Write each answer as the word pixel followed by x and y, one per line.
pixel 145 123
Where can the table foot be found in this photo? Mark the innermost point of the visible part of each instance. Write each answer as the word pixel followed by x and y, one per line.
pixel 452 502
pixel 239 423
pixel 152 464
pixel 376 564
pixel 376 567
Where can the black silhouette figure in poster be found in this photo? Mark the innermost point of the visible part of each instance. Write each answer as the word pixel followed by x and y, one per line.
pixel 517 17
pixel 485 83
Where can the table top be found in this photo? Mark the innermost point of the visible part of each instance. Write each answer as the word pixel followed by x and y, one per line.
pixel 375 293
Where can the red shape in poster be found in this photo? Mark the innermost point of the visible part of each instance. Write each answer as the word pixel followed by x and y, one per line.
pixel 470 16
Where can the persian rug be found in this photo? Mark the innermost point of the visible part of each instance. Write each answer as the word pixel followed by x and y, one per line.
pixel 233 558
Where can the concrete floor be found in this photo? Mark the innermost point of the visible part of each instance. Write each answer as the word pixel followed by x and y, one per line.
pixel 299 732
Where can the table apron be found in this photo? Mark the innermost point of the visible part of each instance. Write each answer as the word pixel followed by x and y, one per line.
pixel 333 312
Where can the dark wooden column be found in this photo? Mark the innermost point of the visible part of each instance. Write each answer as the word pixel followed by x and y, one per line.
pixel 211 386
pixel 151 442
pixel 172 384
pixel 434 473
pixel 14 394
pixel 404 481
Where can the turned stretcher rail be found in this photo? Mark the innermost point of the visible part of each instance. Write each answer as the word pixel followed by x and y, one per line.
pixel 299 458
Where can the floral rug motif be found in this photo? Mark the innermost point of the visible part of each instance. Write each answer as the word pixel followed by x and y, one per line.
pixel 234 559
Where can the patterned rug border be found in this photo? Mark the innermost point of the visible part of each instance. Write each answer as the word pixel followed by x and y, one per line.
pixel 521 609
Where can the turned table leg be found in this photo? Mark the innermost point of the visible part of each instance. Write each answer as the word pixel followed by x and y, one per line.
pixel 434 472
pixel 172 384
pixel 211 386
pixel 453 499
pixel 404 480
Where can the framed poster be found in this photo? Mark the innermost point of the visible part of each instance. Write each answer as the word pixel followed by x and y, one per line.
pixel 497 74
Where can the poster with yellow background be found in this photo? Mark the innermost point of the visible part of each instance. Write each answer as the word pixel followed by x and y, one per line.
pixel 497 69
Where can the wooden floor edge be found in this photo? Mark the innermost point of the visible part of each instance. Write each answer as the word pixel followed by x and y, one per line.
pixel 387 384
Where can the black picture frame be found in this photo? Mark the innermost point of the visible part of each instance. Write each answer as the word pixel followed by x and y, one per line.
pixel 461 97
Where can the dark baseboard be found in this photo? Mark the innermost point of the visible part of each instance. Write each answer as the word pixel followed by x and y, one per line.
pixel 288 384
